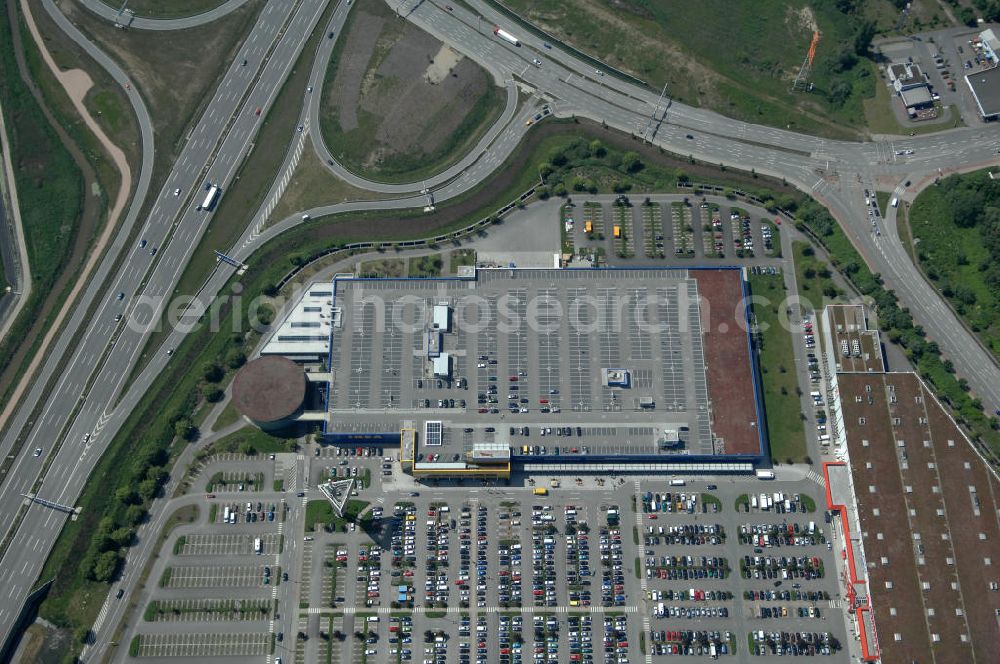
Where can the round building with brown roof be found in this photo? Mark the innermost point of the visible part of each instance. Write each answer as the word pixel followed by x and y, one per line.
pixel 270 391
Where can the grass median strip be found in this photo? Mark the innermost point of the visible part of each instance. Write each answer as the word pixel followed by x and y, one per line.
pixel 779 377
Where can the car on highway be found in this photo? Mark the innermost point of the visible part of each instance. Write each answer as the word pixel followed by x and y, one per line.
pixel 299 129
pixel 120 593
pixel 536 62
pixel 257 112
pixel 142 244
pixel 118 317
pixel 86 437
pixel 121 296
pixel 309 88
pixel 546 45
pixel 599 72
pixel 177 192
pixel 38 451
pixel 152 252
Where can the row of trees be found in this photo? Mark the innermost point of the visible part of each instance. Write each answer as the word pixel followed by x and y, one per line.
pixel 140 482
pixel 116 530
pixel 897 322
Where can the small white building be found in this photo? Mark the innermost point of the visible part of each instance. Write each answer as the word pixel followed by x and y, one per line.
pixel 990 44
pixel 441 318
pixel 442 365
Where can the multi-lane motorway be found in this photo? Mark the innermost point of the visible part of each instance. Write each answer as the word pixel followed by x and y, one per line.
pixel 80 416
pixel 74 414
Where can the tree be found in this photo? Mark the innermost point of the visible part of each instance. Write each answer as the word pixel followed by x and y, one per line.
pixel 212 393
pixel 134 514
pixel 235 358
pixel 968 16
pixel 126 495
pixel 839 93
pixel 105 567
pixel 597 148
pixel 213 372
pixel 147 489
pixel 184 428
pixel 863 38
pixel 123 536
pixel 631 162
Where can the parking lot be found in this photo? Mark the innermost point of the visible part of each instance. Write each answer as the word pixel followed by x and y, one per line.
pixel 668 229
pixel 218 576
pixel 503 576
pixel 204 645
pixel 229 544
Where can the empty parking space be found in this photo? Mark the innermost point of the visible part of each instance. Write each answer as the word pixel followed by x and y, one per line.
pixel 229 544
pixel 227 644
pixel 205 610
pixel 222 576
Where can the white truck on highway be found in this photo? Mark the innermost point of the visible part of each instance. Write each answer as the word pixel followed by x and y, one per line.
pixel 211 198
pixel 506 36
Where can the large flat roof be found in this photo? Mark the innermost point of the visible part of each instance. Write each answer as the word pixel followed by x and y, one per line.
pixel 928 506
pixel 985 86
pixel 854 346
pixel 305 330
pixel 528 347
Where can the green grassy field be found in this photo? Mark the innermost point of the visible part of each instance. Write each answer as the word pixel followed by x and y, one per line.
pixel 814 278
pixel 384 146
pixel 778 374
pixel 49 185
pixel 426 266
pixel 957 258
pixel 252 441
pixel 748 74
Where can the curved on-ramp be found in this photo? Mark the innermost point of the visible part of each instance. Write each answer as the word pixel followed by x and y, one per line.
pixel 141 23
pixel 317 77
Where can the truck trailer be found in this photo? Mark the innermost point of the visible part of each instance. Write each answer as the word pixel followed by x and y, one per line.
pixel 506 36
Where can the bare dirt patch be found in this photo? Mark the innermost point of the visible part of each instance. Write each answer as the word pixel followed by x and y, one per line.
pixel 397 103
pixel 443 63
pixel 353 65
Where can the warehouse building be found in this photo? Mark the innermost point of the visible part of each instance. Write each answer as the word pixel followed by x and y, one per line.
pixel 985 88
pixel 583 370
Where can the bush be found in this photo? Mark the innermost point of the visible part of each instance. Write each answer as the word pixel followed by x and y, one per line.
pixel 212 393
pixel 213 372
pixel 235 358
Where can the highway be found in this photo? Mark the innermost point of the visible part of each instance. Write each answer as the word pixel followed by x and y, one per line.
pixel 84 399
pixel 78 409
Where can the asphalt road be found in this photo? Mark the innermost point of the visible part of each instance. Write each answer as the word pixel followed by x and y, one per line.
pixel 10 260
pixel 107 348
pixel 140 23
pixel 833 171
